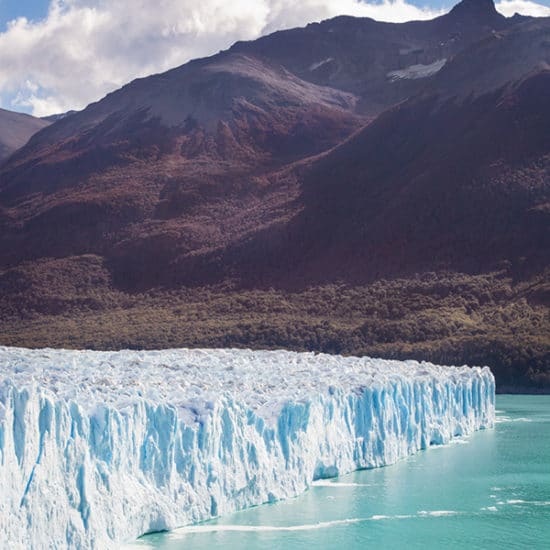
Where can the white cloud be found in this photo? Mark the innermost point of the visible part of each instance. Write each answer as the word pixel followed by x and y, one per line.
pixel 84 49
pixel 523 7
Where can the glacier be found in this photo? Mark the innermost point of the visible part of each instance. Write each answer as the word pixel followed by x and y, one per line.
pixel 98 448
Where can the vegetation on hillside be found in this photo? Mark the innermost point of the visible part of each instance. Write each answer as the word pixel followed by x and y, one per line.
pixel 447 318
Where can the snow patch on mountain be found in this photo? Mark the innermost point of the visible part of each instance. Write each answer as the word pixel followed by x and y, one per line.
pixel 315 66
pixel 417 71
pixel 97 448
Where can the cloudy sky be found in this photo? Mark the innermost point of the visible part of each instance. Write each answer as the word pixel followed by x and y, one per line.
pixel 57 55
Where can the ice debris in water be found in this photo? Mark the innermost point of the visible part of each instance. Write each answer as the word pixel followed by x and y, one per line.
pixel 97 448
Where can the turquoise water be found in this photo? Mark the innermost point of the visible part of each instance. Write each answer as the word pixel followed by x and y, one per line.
pixel 490 491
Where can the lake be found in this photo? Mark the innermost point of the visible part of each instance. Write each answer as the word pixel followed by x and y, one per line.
pixel 491 490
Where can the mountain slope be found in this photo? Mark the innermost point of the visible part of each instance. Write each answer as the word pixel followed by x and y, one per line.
pixel 459 186
pixel 145 167
pixel 15 131
pixel 229 107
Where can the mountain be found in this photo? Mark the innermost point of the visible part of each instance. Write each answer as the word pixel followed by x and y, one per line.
pixel 161 163
pixel 455 178
pixel 352 186
pixel 15 131
pixel 174 164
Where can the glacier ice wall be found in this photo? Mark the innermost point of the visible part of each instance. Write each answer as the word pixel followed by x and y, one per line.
pixel 99 448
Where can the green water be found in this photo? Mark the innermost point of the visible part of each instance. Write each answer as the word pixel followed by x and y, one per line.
pixel 492 491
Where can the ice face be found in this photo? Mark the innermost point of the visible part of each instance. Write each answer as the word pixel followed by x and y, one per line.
pixel 97 448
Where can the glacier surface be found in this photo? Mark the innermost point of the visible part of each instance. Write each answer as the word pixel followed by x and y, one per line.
pixel 98 448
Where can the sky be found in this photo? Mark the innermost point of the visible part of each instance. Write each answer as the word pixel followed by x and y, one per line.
pixel 57 55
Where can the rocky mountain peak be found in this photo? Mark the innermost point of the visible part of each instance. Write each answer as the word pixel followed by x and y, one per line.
pixel 476 8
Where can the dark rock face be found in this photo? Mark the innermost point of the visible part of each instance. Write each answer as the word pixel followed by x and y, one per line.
pixel 349 151
pixel 481 10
